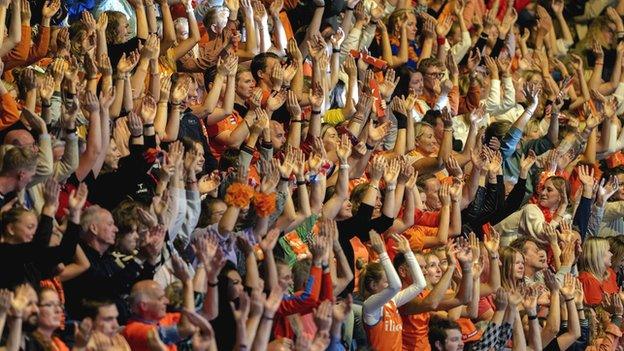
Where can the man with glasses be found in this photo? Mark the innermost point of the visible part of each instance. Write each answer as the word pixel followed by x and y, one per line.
pixel 438 92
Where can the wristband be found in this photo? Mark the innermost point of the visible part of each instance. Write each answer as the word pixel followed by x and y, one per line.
pixel 316 112
pixel 48 105
pixel 369 147
pixel 350 8
pixel 391 187
pixel 319 6
pixel 267 318
pixel 401 120
pixel 570 299
pixel 284 179
pixel 213 284
pixel 441 40
pixel 70 131
pixel 532 317
pixel 336 51
pixel 148 125
pixel 137 136
pixel 344 166
pixel 301 182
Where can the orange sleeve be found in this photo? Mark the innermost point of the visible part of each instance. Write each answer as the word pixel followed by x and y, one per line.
pixel 10 113
pixel 40 50
pixel 414 235
pixel 19 54
pixel 454 99
pixel 611 339
pixel 471 100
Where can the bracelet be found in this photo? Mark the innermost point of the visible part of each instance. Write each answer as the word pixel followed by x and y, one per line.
pixel 48 105
pixel 213 284
pixel 369 147
pixel 570 299
pixel 137 136
pixel 350 8
pixel 267 318
pixel 316 112
pixel 301 182
pixel 344 166
pixel 70 131
pixel 391 187
pixel 319 6
pixel 532 317
pixel 448 130
pixel 284 179
pixel 375 187
pixel 174 104
pixel 148 125
pixel 494 258
pixel 336 51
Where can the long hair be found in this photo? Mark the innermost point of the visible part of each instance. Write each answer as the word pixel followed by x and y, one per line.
pixel 592 260
pixel 508 261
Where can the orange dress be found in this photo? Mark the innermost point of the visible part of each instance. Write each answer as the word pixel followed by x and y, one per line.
pixel 386 335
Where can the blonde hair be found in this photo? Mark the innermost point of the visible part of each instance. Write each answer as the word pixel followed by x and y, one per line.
pixel 508 261
pixel 592 260
pixel 370 273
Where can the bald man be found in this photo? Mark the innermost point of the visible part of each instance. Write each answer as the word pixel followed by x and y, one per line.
pixel 149 308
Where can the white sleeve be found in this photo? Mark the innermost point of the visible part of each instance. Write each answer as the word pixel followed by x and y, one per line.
pixel 619 96
pixel 406 295
pixel 460 49
pixel 176 223
pixel 492 102
pixel 372 307
pixel 509 98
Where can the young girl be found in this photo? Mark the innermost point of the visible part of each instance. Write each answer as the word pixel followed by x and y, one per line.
pixel 380 288
pixel 597 276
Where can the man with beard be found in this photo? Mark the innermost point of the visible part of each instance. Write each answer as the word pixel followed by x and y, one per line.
pixel 26 296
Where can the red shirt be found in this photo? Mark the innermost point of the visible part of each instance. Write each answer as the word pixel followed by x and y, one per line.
pixel 136 331
pixel 595 289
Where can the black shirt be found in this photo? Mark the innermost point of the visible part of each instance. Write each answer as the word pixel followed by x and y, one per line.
pixel 36 260
pixel 105 280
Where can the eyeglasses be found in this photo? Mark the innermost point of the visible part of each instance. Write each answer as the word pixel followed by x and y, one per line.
pixel 437 75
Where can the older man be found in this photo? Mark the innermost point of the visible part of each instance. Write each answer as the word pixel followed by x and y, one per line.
pixel 149 309
pixel 105 280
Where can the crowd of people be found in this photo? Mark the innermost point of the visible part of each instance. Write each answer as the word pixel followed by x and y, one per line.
pixel 311 175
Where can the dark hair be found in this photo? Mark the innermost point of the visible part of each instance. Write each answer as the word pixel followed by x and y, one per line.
pixel 405 75
pixel 206 211
pixel 229 158
pixel 431 117
pixel 437 329
pixel 91 308
pixel 398 261
pixel 521 241
pixel 259 63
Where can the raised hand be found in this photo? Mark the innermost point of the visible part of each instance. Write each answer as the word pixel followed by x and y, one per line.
pixel 377 242
pixel 323 316
pixel 401 244
pixel 343 150
pixel 392 172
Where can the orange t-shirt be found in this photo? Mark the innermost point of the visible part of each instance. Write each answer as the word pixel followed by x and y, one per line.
pixel 386 335
pixel 229 123
pixel 136 331
pixel 416 328
pixel 595 289
pixel 59 344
